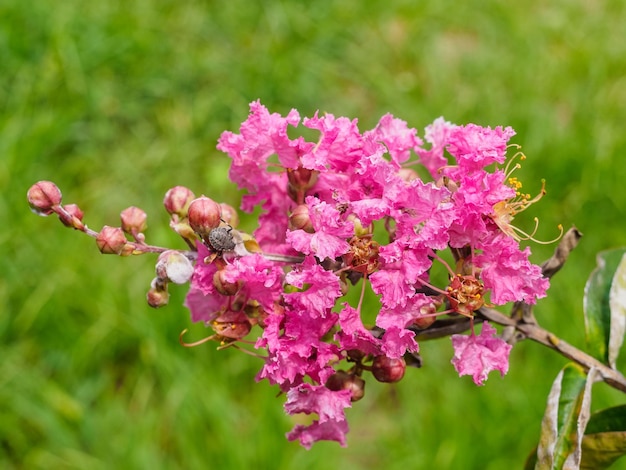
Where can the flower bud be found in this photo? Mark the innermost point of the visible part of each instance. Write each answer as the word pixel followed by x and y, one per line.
pixel 342 380
pixel 301 178
pixel 157 296
pixel 424 322
pixel 386 369
pixel 300 219
pixel 133 220
pixel 233 325
pixel 43 196
pixel 204 215
pixel 111 241
pixel 407 174
pixel 71 216
pixel 229 214
pixel 223 286
pixel 177 200
pixel 174 266
pixel 74 211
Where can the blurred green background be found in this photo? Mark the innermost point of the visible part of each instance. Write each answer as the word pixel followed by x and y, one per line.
pixel 117 101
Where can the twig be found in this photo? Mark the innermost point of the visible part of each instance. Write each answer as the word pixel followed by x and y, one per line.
pixel 534 332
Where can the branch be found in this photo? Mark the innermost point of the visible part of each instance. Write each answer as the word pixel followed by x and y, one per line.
pixel 523 325
pixel 534 332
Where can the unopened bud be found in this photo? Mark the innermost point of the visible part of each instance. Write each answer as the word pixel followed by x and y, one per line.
pixel 74 211
pixel 177 200
pixel 342 380
pixel 204 215
pixel 386 369
pixel 174 266
pixel 229 215
pixel 300 219
pixel 232 324
pixel 71 216
pixel 111 241
pixel 407 174
pixel 43 196
pixel 424 322
pixel 223 286
pixel 302 179
pixel 158 296
pixel 134 220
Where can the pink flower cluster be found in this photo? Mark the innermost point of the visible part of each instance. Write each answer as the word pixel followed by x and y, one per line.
pixel 377 207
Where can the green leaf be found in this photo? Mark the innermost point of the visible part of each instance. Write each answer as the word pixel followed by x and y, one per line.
pixel 605 438
pixel 617 304
pixel 564 421
pixel 604 334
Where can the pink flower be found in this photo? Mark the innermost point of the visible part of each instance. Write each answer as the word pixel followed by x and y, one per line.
pixel 295 341
pixel 204 301
pixel 331 232
pixel 329 405
pixel 397 341
pixel 353 335
pixel 340 146
pixel 260 279
pixel 475 147
pixel 507 271
pixel 397 137
pixel 479 355
pixel 437 135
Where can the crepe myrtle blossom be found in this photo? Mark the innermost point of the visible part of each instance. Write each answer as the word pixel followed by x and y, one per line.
pixel 346 211
pixel 477 355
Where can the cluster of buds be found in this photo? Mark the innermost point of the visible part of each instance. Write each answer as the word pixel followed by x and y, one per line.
pixel 347 211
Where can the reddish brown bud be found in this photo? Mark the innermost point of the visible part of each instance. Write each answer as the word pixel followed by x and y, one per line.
pixel 111 241
pixel 229 214
pixel 302 179
pixel 71 216
pixel 177 200
pixel 133 220
pixel 300 219
pixel 356 355
pixel 233 325
pixel 386 369
pixel 223 286
pixel 342 380
pixel 43 196
pixel 204 215
pixel 74 211
pixel 424 322
pixel 158 296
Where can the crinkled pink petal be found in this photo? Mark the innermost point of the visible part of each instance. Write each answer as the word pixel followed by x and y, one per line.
pixel 397 341
pixel 479 355
pixel 507 272
pixel 406 315
pixel 261 279
pixel 327 404
pixel 353 335
pixel 204 308
pixel 397 137
pixel 316 431
pixel 340 145
pixel 476 147
pixel 437 135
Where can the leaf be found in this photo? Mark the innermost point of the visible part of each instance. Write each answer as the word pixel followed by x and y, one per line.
pixel 617 303
pixel 597 307
pixel 564 421
pixel 605 438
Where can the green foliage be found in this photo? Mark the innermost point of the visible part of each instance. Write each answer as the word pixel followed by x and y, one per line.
pixel 119 101
pixel 603 306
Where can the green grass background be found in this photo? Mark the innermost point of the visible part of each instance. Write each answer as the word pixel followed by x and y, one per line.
pixel 117 101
